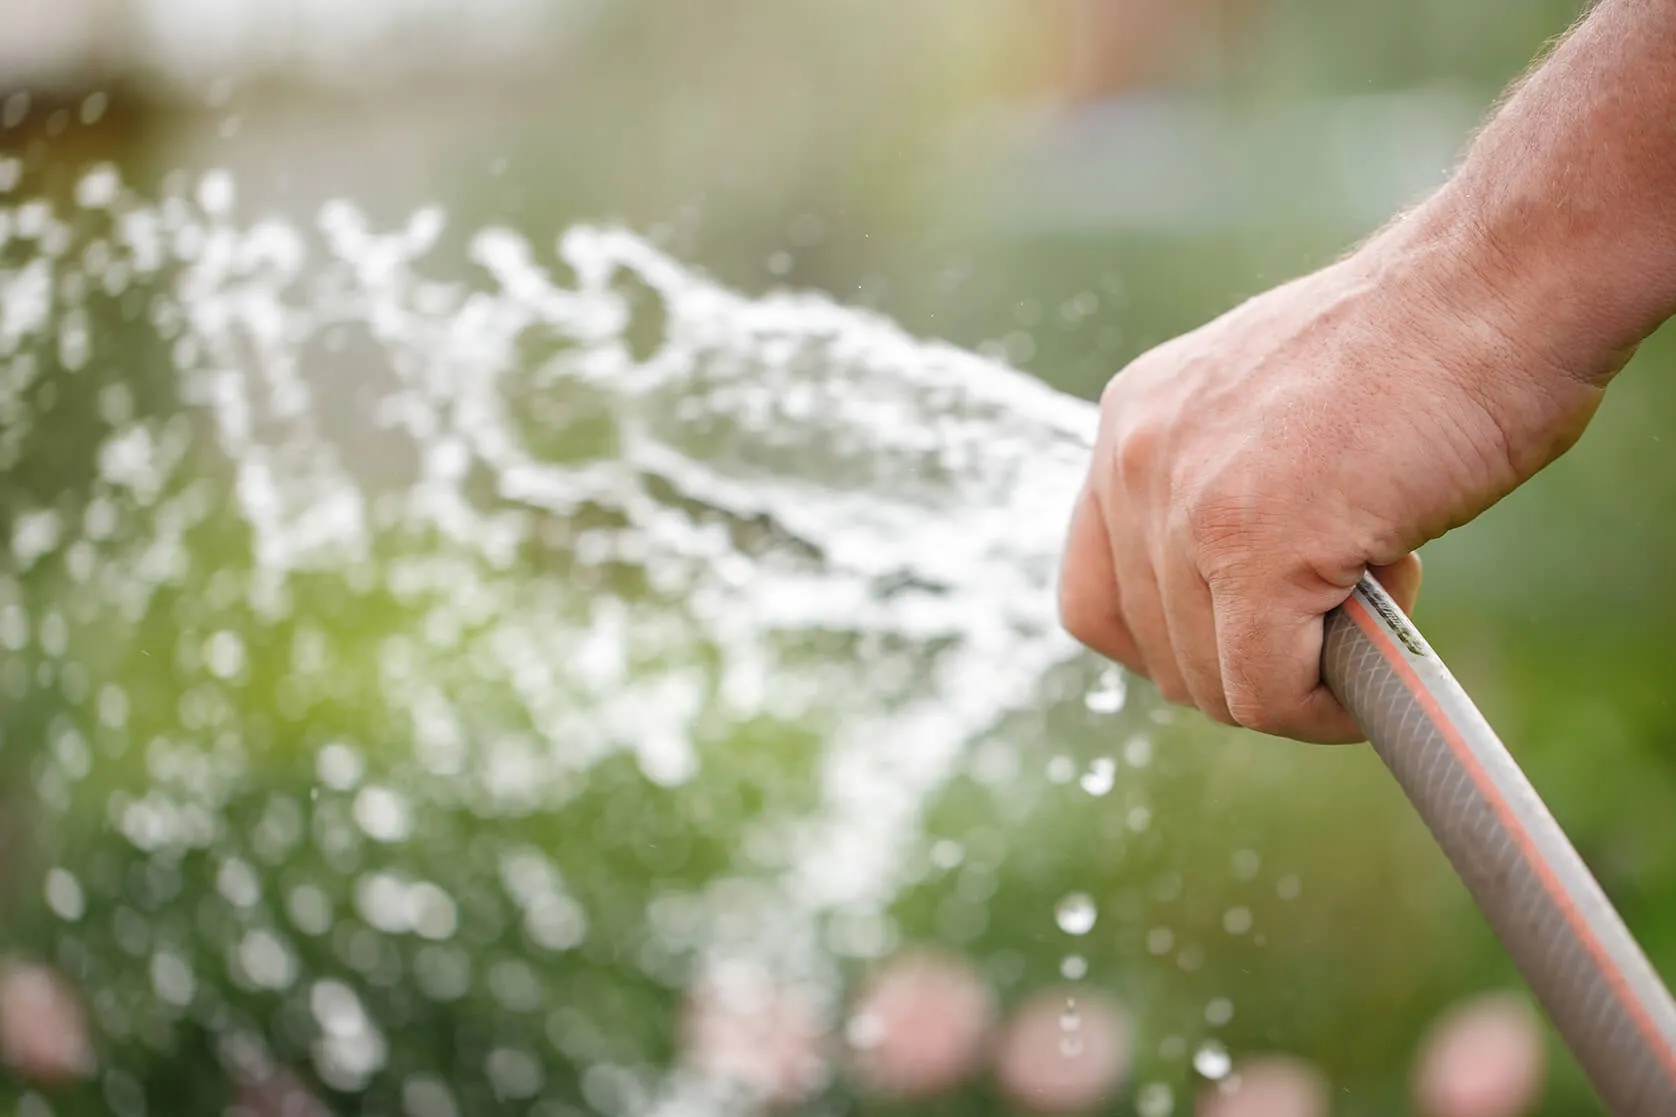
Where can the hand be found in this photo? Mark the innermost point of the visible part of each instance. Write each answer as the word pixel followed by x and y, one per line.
pixel 1247 474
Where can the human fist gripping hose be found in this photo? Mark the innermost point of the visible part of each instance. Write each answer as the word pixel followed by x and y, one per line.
pixel 1580 960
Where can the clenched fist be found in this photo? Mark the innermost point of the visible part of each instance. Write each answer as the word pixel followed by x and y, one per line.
pixel 1247 474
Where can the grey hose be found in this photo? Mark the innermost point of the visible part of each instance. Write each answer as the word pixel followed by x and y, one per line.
pixel 1603 996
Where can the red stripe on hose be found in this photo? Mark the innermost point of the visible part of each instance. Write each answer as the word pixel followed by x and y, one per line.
pixel 1475 770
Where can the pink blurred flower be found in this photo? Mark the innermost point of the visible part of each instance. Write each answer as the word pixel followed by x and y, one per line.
pixel 1484 1058
pixel 1064 1051
pixel 920 1025
pixel 743 1030
pixel 1268 1086
pixel 43 1031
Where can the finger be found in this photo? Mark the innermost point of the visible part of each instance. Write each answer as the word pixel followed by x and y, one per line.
pixel 1191 617
pixel 1271 663
pixel 1401 580
pixel 1143 610
pixel 1090 601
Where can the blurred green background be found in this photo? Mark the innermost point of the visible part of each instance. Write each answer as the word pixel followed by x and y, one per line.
pixel 1056 184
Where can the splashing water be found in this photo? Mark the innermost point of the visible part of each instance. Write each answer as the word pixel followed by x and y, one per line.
pixel 1100 777
pixel 1212 1060
pixel 1155 1099
pixel 1108 697
pixel 1075 914
pixel 357 555
pixel 1070 1024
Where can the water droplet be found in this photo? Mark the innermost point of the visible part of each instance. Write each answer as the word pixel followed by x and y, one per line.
pixel 1070 1020
pixel 310 909
pixel 171 977
pixel 1137 751
pixel 64 895
pixel 556 922
pixel 34 535
pixel 1061 769
pixel 1246 864
pixel 864 1031
pixel 350 1050
pixel 442 973
pixel 514 1073
pixel 1219 1011
pixel 431 912
pixel 224 653
pixel 1101 774
pixel 1236 921
pixel 14 628
pixel 515 985
pixel 113 706
pixel 424 1096
pixel 1139 818
pixel 1289 887
pixel 339 766
pixel 98 188
pixel 1070 1025
pixel 1109 693
pixel 70 749
pixel 1172 1048
pixel 267 960
pixel 1155 1099
pixel 1074 967
pixel 238 884
pixel 1212 1061
pixel 383 814
pixel 215 193
pixel 1160 940
pixel 381 900
pixel 1075 914
pixel 947 855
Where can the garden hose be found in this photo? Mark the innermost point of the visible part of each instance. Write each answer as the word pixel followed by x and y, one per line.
pixel 1603 996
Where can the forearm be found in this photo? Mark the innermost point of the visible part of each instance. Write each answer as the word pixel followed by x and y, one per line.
pixel 1565 206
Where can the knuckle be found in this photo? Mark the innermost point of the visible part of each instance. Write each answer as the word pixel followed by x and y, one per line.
pixel 1174 691
pixel 1127 383
pixel 1208 514
pixel 1138 447
pixel 1221 716
pixel 1215 707
pixel 1249 701
pixel 1247 709
pixel 1220 526
pixel 1079 615
pixel 1111 396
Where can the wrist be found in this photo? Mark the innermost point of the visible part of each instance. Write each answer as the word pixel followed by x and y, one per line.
pixel 1576 295
pixel 1541 306
pixel 1495 328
